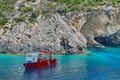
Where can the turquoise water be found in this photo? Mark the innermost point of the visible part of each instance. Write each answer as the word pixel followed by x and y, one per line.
pixel 100 64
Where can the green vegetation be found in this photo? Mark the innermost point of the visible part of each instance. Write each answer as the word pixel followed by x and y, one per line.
pixel 33 17
pixel 24 9
pixel 19 19
pixel 63 6
pixel 86 5
pixel 6 6
pixel 25 12
pixel 3 19
pixel 45 12
pixel 33 0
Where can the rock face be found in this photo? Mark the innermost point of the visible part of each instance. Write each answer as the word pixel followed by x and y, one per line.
pixel 53 32
pixel 112 40
pixel 100 24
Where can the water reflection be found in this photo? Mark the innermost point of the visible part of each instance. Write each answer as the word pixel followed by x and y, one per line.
pixel 37 73
pixel 52 67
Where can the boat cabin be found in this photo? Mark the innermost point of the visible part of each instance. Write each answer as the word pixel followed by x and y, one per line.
pixel 32 57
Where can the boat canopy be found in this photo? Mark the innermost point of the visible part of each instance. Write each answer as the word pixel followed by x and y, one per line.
pixel 45 52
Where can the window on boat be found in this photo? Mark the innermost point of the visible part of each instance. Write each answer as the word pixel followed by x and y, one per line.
pixel 30 56
pixel 33 57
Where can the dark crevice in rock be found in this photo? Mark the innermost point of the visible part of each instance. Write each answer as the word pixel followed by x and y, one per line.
pixel 102 40
pixel 108 41
pixel 65 43
pixel 29 36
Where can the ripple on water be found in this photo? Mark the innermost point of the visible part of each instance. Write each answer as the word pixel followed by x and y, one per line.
pixel 101 64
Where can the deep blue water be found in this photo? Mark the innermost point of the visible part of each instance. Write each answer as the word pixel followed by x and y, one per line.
pixel 100 64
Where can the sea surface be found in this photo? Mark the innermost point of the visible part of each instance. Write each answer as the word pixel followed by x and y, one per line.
pixel 99 64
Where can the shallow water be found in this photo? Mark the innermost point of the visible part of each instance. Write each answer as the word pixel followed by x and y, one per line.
pixel 100 64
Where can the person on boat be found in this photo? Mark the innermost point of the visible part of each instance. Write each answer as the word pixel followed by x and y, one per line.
pixel 39 58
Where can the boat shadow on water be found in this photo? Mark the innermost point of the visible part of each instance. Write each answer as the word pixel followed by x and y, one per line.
pixel 36 73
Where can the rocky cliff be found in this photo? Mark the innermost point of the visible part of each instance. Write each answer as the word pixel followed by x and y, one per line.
pixel 110 41
pixel 52 31
pixel 70 33
pixel 100 24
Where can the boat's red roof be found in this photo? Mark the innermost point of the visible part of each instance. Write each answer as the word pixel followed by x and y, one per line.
pixel 45 51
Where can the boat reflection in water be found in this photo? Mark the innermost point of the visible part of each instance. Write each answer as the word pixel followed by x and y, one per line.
pixel 36 73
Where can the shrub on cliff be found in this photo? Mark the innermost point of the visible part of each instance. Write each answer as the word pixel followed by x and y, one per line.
pixel 24 9
pixel 33 17
pixel 44 12
pixel 19 19
pixel 3 19
pixel 6 10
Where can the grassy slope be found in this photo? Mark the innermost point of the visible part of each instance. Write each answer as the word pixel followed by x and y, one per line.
pixel 7 8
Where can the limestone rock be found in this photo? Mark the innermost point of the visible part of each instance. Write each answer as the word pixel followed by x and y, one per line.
pixel 112 40
pixel 72 32
pixel 52 31
pixel 99 25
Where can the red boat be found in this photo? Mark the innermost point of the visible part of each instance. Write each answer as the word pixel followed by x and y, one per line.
pixel 39 59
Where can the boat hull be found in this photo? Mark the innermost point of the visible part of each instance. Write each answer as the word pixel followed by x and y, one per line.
pixel 53 61
pixel 36 64
pixel 40 63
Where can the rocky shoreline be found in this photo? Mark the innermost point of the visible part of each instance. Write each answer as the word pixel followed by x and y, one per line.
pixel 70 33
